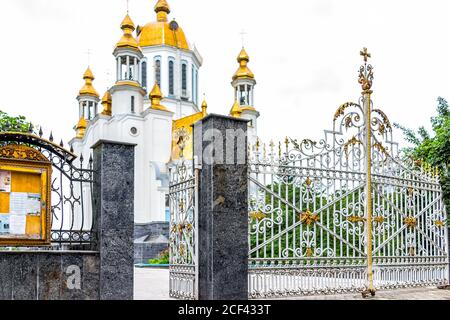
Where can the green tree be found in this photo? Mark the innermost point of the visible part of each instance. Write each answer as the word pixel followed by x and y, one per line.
pixel 17 124
pixel 433 149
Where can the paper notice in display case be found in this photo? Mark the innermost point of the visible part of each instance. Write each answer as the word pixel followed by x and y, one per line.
pixel 17 224
pixel 5 181
pixel 18 202
pixel 4 223
pixel 22 203
pixel 34 204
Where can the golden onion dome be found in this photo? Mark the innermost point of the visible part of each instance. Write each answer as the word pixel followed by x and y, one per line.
pixel 156 97
pixel 81 128
pixel 236 110
pixel 107 104
pixel 127 40
pixel 88 88
pixel 243 72
pixel 161 32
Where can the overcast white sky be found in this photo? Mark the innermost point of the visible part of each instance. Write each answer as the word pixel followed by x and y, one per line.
pixel 305 56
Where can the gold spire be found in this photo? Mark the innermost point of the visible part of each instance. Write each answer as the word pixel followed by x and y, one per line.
pixel 107 104
pixel 162 9
pixel 156 97
pixel 243 72
pixel 204 107
pixel 88 87
pixel 81 128
pixel 127 40
pixel 236 110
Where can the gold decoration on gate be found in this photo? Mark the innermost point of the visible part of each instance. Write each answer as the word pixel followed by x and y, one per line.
pixel 309 252
pixel 308 182
pixel 411 222
pixel 341 110
pixel 379 146
pixel 257 215
pixel 355 219
pixel 352 142
pixel 366 73
pixel 439 223
pixel 379 219
pixel 309 218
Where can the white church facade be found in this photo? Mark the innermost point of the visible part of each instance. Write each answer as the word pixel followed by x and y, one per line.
pixel 155 94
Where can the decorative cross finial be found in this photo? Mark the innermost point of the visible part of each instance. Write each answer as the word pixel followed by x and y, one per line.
pixel 128 6
pixel 89 52
pixel 243 33
pixel 366 72
pixel 108 76
pixel 364 53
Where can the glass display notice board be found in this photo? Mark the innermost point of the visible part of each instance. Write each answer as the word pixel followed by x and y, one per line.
pixel 25 213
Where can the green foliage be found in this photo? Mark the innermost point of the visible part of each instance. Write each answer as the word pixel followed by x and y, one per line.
pixel 163 258
pixel 433 149
pixel 17 124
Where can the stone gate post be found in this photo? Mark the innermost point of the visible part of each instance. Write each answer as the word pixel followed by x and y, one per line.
pixel 113 194
pixel 220 146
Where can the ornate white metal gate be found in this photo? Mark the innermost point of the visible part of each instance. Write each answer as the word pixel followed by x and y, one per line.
pixel 183 221
pixel 344 214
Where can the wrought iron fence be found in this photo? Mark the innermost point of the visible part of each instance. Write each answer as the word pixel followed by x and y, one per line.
pixel 183 223
pixel 346 213
pixel 71 185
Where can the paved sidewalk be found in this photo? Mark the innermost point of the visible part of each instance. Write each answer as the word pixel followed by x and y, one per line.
pixel 153 284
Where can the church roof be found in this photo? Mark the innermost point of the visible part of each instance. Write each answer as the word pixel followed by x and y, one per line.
pixel 162 32
pixel 243 72
pixel 236 110
pixel 107 104
pixel 88 88
pixel 155 97
pixel 128 40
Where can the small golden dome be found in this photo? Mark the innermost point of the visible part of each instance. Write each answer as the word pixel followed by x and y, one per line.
pixel 156 97
pixel 162 32
pixel 88 87
pixel 127 40
pixel 81 128
pixel 107 104
pixel 204 107
pixel 236 110
pixel 243 72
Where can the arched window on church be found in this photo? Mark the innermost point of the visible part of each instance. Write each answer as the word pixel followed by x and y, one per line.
pixel 196 86
pixel 144 75
pixel 171 78
pixel 91 110
pixel 184 80
pixel 193 83
pixel 158 71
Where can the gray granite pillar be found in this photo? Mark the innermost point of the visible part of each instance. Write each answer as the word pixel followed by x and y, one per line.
pixel 114 220
pixel 220 145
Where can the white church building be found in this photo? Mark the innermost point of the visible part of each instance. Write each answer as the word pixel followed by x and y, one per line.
pixel 156 93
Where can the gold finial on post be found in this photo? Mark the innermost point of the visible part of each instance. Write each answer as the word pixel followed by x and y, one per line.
pixel 366 73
